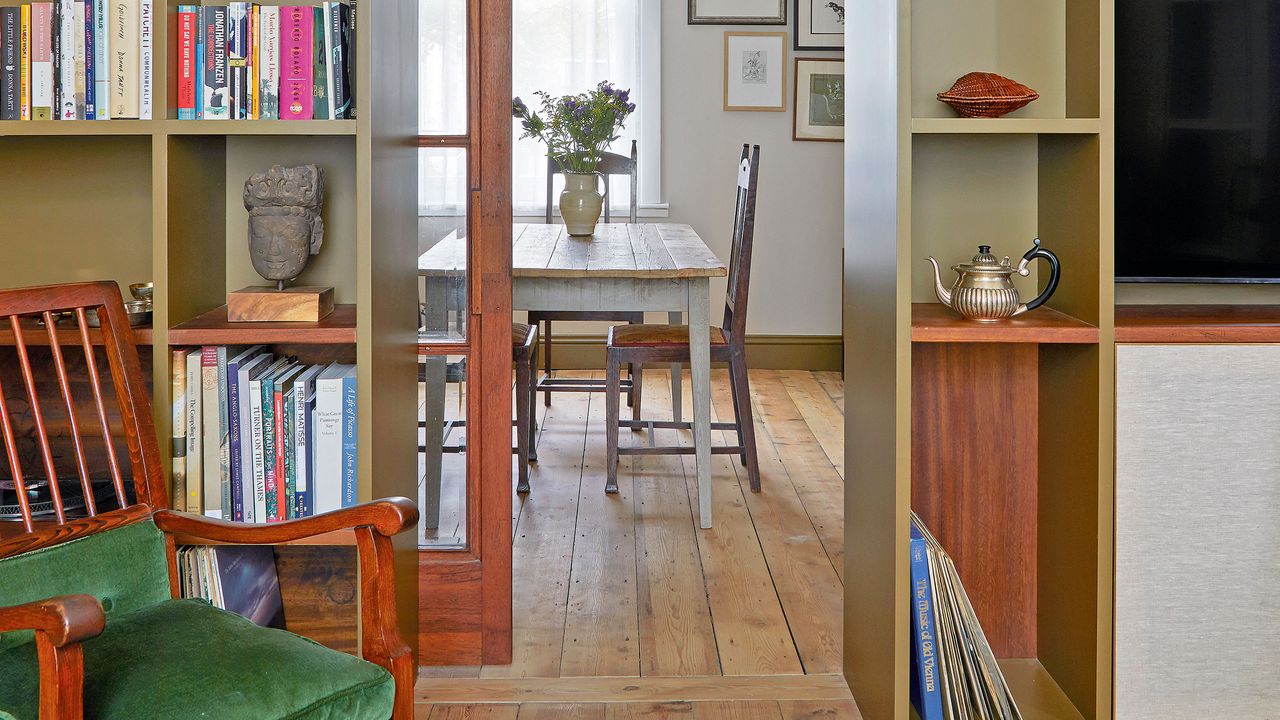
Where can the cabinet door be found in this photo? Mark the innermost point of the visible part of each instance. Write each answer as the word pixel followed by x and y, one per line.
pixel 1197 528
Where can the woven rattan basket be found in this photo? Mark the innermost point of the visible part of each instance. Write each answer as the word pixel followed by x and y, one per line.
pixel 983 94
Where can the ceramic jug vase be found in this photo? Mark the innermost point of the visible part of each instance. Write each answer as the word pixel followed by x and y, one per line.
pixel 581 203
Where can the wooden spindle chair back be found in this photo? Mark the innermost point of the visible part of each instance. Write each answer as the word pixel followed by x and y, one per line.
pixel 744 223
pixel 30 322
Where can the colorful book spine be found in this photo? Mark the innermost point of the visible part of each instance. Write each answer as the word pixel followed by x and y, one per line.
pixel 101 64
pixel 296 37
pixel 224 435
pixel 78 69
pixel 339 69
pixel 195 464
pixel 280 440
pixel 24 71
pixel 90 43
pixel 211 439
pixel 122 28
pixel 42 61
pixel 56 36
pixel 252 60
pixel 233 437
pixel 178 419
pixel 269 448
pixel 186 62
pixel 248 367
pixel 319 67
pixel 237 49
pixel 926 682
pixel 215 93
pixel 269 62
pixel 10 49
pixel 146 70
pixel 350 440
pixel 299 416
pixel 258 450
pixel 200 62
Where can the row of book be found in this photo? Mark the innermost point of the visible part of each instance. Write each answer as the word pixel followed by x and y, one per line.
pixel 245 61
pixel 76 60
pixel 239 578
pixel 260 438
pixel 954 672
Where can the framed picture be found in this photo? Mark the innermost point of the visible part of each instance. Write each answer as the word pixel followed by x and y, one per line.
pixel 755 71
pixel 819 24
pixel 819 102
pixel 737 12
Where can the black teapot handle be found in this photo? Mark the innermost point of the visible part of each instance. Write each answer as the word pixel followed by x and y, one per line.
pixel 1055 273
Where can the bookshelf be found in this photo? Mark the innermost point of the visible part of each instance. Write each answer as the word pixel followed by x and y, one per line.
pixel 159 200
pixel 1000 436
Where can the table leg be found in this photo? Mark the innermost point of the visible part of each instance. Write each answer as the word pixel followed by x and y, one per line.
pixel 436 318
pixel 700 366
pixel 677 407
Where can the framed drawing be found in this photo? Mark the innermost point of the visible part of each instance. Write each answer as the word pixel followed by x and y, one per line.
pixel 819 102
pixel 819 24
pixel 755 71
pixel 737 12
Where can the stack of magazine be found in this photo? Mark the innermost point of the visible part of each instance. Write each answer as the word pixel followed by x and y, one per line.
pixel 954 673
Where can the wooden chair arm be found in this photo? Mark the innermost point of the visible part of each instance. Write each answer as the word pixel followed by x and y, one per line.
pixel 61 624
pixel 386 517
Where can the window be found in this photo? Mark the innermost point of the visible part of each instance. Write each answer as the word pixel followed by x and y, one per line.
pixel 561 46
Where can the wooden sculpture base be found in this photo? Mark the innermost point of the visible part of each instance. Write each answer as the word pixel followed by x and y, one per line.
pixel 266 304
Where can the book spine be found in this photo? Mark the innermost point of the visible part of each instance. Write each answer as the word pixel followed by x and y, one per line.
pixel 215 103
pixel 327 477
pixel 24 68
pixel 295 62
pixel 350 441
pixel 349 34
pixel 332 37
pixel 252 61
pixel 211 442
pixel 269 63
pixel 10 28
pixel 342 63
pixel 75 31
pixel 281 469
pixel 236 29
pixel 146 29
pixel 258 452
pixel 195 464
pixel 224 436
pixel 200 44
pixel 288 430
pixel 926 690
pixel 123 30
pixel 90 45
pixel 41 61
pixel 178 419
pixel 186 62
pixel 234 441
pixel 300 449
pixel 101 64
pixel 55 54
pixel 319 67
pixel 309 452
pixel 269 448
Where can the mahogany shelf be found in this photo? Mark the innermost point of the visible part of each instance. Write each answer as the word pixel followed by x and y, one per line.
pixel 334 538
pixel 1198 323
pixel 68 336
pixel 935 323
pixel 213 328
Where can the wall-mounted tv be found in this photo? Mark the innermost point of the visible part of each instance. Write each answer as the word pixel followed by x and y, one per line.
pixel 1197 141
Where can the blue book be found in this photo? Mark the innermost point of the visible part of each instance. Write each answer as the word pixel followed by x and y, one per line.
pixel 350 436
pixel 236 404
pixel 926 680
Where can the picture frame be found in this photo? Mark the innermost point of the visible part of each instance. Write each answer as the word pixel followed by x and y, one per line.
pixel 819 100
pixel 755 71
pixel 737 12
pixel 819 24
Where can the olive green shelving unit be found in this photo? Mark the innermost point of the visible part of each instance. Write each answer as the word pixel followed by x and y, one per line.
pixel 160 200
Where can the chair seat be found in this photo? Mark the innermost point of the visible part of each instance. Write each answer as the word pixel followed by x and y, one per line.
pixel 660 336
pixel 520 333
pixel 184 659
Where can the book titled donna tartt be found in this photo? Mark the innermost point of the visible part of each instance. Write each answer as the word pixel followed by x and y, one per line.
pixel 297 30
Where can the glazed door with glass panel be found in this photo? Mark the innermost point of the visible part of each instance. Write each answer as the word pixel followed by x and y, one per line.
pixel 464 346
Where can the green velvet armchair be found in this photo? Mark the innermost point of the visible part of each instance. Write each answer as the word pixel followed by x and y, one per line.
pixel 91 620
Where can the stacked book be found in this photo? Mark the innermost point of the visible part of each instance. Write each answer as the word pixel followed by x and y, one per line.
pixel 244 61
pixel 238 578
pixel 954 673
pixel 77 60
pixel 260 438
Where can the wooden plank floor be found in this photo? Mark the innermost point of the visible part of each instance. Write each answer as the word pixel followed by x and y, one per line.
pixel 627 586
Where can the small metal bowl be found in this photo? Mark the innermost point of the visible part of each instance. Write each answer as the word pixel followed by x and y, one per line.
pixel 138 312
pixel 142 291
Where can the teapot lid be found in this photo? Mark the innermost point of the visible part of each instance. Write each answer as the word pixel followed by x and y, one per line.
pixel 984 261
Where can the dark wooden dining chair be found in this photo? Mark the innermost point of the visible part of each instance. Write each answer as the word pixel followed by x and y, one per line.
pixel 92 623
pixel 610 164
pixel 642 344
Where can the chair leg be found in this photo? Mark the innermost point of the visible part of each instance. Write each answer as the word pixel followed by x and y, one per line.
pixel 637 390
pixel 613 388
pixel 546 361
pixel 533 404
pixel 746 424
pixel 737 413
pixel 523 411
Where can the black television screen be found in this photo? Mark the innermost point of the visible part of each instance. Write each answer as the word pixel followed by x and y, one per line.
pixel 1198 140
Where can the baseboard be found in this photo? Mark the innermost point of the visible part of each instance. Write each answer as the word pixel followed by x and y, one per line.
pixel 764 352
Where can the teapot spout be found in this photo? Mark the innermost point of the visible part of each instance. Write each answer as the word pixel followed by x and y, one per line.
pixel 944 295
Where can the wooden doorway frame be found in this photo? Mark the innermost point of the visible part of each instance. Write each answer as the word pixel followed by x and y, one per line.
pixel 465 595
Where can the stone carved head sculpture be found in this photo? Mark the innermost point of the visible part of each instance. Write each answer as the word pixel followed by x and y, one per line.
pixel 285 228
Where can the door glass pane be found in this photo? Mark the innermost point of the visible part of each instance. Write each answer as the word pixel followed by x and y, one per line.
pixel 442 459
pixel 442 67
pixel 442 243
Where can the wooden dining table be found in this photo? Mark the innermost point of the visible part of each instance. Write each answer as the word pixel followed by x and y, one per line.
pixel 624 267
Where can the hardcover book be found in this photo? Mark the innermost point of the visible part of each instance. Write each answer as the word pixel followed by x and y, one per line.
pixel 186 62
pixel 282 440
pixel 211 428
pixel 146 28
pixel 195 433
pixel 328 439
pixel 10 47
pixel 263 484
pixel 338 21
pixel 178 419
pixel 926 684
pixel 350 439
pixel 24 68
pixel 101 63
pixel 255 14
pixel 296 37
pixel 304 399
pixel 242 430
pixel 122 28
pixel 78 69
pixel 319 66
pixel 237 53
pixel 42 60
pixel 215 93
pixel 90 45
pixel 234 421
pixel 269 62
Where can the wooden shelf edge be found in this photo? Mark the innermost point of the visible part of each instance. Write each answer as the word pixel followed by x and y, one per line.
pixel 259 127
pixel 337 537
pixel 74 128
pixel 1037 694
pixel 213 328
pixel 1176 324
pixel 1006 126
pixel 933 322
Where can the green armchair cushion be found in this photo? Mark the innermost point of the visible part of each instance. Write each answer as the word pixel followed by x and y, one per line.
pixel 184 659
pixel 125 568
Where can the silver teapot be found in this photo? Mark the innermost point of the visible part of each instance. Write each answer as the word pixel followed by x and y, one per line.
pixel 984 290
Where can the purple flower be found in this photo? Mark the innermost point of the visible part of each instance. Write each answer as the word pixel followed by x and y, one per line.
pixel 518 107
pixel 631 108
pixel 624 96
pixel 527 125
